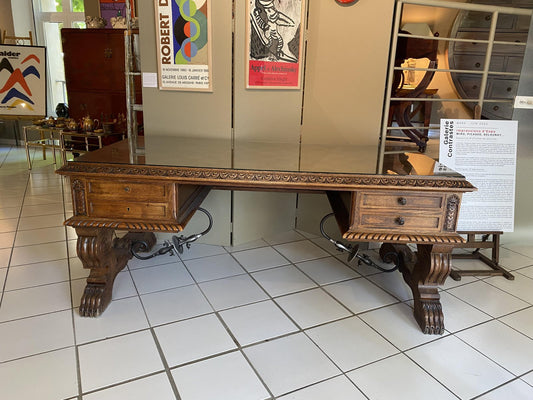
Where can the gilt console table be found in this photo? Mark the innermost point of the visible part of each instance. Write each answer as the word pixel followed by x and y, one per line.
pixel 112 190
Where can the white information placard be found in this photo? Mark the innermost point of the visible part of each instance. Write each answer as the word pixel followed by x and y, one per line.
pixel 484 151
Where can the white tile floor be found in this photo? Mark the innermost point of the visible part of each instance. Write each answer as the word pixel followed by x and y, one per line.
pixel 280 318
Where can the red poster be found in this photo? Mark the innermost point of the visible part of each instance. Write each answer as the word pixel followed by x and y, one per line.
pixel 274 43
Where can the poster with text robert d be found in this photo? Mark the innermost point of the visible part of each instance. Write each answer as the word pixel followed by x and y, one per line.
pixel 274 43
pixel 184 44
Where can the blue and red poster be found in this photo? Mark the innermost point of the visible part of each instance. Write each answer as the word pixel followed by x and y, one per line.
pixel 274 43
pixel 183 43
pixel 22 80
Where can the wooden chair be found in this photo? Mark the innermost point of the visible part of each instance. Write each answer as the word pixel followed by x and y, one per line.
pixel 19 40
pixel 401 110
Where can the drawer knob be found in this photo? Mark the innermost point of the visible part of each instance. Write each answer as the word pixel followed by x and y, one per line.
pixel 400 220
pixel 402 201
pixel 127 189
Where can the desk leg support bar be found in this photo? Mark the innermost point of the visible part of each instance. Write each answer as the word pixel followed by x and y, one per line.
pixel 105 256
pixel 424 271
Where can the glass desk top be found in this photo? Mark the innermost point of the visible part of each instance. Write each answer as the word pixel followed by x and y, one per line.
pixel 264 156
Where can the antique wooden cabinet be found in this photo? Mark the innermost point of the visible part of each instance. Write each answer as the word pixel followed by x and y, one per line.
pixel 95 72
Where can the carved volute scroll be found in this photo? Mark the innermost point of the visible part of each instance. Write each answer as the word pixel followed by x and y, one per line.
pixel 452 212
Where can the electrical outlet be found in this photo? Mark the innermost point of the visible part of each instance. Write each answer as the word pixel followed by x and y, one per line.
pixel 523 102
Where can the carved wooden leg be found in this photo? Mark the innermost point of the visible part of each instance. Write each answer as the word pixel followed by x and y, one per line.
pixel 424 272
pixel 105 256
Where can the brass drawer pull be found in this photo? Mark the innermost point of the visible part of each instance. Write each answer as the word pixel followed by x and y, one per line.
pixel 402 201
pixel 400 220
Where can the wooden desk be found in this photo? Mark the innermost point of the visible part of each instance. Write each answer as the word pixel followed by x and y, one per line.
pixel 111 193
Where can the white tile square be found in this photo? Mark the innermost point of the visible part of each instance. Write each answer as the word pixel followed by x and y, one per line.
pixel 283 280
pixel 246 246
pixel 521 286
pixel 119 359
pixel 41 221
pixel 10 212
pixel 303 250
pixel 8 225
pixel 175 304
pixel 49 376
pixel 472 373
pixel 39 236
pixel 290 363
pixel 514 390
pixel 24 276
pixel 522 321
pixel 528 271
pixel 230 377
pixel 232 292
pixel 33 211
pixel 338 388
pixel 28 336
pixel 153 387
pixel 459 315
pixel 514 353
pixel 6 240
pixel 393 283
pixel 120 317
pixel 260 258
pixel 39 253
pixel 34 301
pixel 5 255
pixel 488 298
pixel 284 237
pixel 198 250
pixel 257 322
pixel 193 339
pixel 312 307
pixel 337 341
pixel 327 270
pixel 404 379
pixel 398 325
pixel 360 295
pixel 161 277
pixel 135 263
pixel 528 378
pixel 214 267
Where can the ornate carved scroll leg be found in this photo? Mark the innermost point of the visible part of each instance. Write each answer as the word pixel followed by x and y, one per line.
pixel 105 256
pixel 424 272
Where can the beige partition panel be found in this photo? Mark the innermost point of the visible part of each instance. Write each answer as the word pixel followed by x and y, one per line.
pixel 195 114
pixel 346 70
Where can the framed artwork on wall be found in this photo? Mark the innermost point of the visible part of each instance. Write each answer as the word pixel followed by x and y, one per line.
pixel 274 41
pixel 184 44
pixel 22 80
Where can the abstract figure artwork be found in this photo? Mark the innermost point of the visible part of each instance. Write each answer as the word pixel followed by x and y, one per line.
pixel 22 80
pixel 274 43
pixel 183 40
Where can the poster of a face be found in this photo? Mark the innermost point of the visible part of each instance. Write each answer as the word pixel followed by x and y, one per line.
pixel 22 80
pixel 274 42
pixel 184 44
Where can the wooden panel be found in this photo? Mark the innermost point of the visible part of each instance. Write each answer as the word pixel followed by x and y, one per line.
pixel 400 201
pixel 130 191
pixel 399 221
pixel 129 210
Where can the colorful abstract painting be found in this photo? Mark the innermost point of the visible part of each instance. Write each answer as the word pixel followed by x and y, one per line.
pixel 183 43
pixel 22 80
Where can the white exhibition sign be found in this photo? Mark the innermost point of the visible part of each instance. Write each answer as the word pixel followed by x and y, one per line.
pixel 484 151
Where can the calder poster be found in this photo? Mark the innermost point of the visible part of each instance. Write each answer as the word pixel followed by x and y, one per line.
pixel 22 80
pixel 274 43
pixel 184 44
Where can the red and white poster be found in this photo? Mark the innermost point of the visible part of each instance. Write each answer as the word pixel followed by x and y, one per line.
pixel 274 44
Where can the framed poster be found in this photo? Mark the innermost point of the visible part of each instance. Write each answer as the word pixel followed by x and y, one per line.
pixel 184 44
pixel 22 80
pixel 484 151
pixel 274 43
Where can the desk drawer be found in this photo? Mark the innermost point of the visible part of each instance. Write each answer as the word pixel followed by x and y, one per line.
pixel 129 210
pixel 400 221
pixel 401 201
pixel 130 191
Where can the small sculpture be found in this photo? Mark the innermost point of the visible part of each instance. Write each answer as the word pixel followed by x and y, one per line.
pixel 95 22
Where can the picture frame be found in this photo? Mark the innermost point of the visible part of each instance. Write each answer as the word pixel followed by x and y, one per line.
pixel 274 43
pixel 183 43
pixel 22 80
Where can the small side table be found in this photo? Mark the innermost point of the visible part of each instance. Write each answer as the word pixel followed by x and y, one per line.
pixel 46 140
